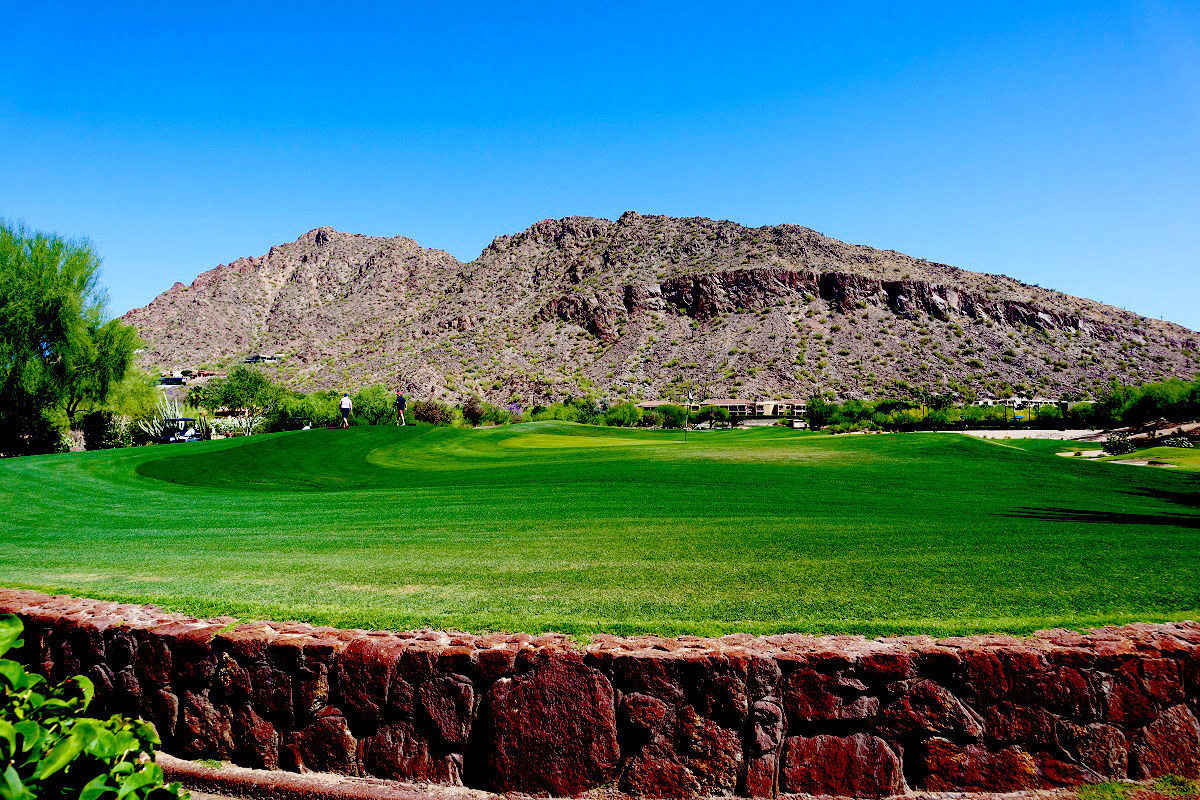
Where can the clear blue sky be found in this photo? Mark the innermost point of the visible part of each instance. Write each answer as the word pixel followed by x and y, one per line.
pixel 1055 142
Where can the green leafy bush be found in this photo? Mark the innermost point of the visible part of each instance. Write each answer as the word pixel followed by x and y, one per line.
pixel 672 415
pixel 1177 441
pixel 715 415
pixel 573 409
pixel 1118 444
pixel 48 750
pixel 104 430
pixel 374 405
pixel 623 415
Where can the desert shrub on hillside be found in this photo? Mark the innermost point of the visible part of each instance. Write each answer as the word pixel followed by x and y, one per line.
pixel 431 412
pixel 472 410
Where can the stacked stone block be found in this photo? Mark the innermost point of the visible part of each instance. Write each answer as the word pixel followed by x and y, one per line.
pixel 656 717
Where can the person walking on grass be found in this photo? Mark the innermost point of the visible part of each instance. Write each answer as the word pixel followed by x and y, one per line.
pixel 347 405
pixel 401 407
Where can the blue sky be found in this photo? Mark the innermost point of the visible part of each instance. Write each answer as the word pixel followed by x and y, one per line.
pixel 1054 142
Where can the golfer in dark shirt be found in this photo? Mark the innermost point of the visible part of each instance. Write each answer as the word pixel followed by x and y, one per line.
pixel 401 407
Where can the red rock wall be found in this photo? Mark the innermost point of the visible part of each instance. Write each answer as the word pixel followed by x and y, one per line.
pixel 657 717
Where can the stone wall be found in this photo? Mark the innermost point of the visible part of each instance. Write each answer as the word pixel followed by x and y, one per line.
pixel 654 717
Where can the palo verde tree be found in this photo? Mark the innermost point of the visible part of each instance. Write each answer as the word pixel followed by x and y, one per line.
pixel 246 392
pixel 57 350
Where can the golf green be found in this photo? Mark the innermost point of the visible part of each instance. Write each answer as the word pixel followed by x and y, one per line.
pixel 555 526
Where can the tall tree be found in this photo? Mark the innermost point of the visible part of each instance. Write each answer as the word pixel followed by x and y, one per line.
pixel 57 351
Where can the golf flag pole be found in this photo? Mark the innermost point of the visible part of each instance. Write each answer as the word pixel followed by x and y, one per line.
pixel 687 416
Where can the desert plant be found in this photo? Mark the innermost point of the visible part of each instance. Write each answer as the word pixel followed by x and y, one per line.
pixel 1176 441
pixel 673 416
pixel 49 750
pixel 374 405
pixel 432 412
pixel 472 410
pixel 1118 444
pixel 715 415
pixel 171 408
pixel 105 430
pixel 58 353
pixel 623 415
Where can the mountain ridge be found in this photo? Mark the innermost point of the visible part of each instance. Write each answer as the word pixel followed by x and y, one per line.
pixel 649 306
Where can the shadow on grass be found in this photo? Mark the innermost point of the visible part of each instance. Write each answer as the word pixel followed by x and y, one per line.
pixel 1190 499
pixel 1111 517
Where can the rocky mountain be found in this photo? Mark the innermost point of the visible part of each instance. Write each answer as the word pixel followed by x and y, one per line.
pixel 649 306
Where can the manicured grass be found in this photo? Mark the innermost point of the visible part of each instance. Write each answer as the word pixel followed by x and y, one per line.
pixel 552 526
pixel 1051 446
pixel 1186 458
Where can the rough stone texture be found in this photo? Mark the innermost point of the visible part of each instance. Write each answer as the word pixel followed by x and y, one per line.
pixel 1171 745
pixel 551 730
pixel 950 767
pixel 852 766
pixel 779 310
pixel 746 715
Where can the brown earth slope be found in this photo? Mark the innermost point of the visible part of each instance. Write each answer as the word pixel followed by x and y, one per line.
pixel 649 306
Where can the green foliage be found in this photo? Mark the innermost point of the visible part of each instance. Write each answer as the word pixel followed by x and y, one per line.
pixel 573 409
pixel 651 418
pixel 374 405
pixel 318 409
pixel 472 410
pixel 248 393
pixel 1173 400
pixel 1166 786
pixel 104 430
pixel 713 414
pixel 49 750
pixel 496 415
pixel 673 416
pixel 1118 444
pixel 820 412
pixel 623 415
pixel 1177 441
pixel 431 412
pixel 135 396
pixel 57 351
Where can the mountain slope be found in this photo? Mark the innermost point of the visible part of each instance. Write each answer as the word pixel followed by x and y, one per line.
pixel 649 306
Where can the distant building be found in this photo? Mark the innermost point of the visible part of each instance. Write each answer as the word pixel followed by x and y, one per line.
pixel 745 407
pixel 263 359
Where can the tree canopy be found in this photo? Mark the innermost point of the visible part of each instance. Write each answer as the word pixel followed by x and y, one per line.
pixel 57 350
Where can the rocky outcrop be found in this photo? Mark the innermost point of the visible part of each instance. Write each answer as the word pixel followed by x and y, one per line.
pixel 651 306
pixel 745 715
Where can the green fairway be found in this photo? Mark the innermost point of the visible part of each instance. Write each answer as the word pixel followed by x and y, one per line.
pixel 554 526
pixel 1184 458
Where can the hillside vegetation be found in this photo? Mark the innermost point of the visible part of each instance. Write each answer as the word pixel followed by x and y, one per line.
pixel 650 306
